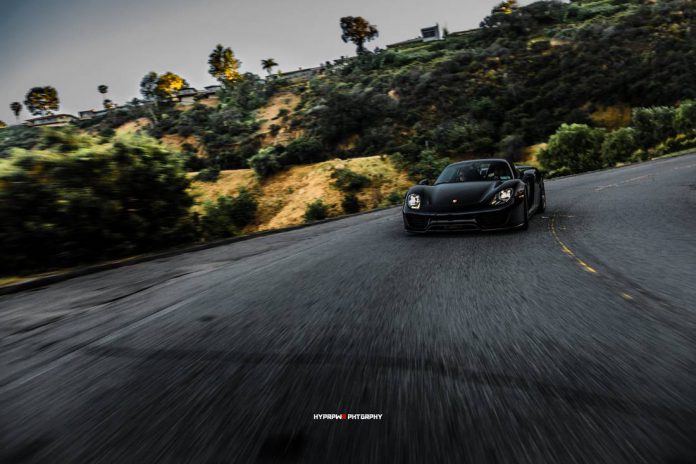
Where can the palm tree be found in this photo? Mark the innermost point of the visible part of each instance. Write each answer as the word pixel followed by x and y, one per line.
pixel 16 108
pixel 103 89
pixel 268 65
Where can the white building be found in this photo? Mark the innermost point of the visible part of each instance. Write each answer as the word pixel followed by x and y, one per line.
pixel 51 120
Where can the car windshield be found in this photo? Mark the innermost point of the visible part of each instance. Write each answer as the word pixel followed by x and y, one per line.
pixel 475 171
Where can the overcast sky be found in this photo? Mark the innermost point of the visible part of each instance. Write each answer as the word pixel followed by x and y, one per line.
pixel 75 45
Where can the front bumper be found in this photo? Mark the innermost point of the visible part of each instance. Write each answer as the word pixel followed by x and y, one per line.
pixel 508 217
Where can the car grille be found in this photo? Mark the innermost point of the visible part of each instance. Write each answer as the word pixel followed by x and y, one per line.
pixel 493 220
pixel 417 222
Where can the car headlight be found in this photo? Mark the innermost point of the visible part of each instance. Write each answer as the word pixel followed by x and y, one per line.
pixel 413 201
pixel 502 197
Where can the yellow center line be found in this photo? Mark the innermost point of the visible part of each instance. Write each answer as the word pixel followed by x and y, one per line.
pixel 552 227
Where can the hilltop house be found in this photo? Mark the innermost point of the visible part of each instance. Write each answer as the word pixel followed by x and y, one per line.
pixel 187 96
pixel 298 75
pixel 51 120
pixel 428 34
pixel 89 114
pixel 190 95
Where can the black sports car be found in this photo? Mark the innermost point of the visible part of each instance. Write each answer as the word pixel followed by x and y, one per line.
pixel 488 194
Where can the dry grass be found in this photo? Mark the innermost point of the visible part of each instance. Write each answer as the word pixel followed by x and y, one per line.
pixel 176 142
pixel 531 153
pixel 283 197
pixel 613 117
pixel 268 116
pixel 133 126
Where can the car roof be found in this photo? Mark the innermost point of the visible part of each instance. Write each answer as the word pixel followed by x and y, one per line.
pixel 483 160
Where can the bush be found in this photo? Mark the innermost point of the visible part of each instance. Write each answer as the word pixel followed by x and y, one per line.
pixel 208 175
pixel 351 204
pixel 303 151
pixel 653 125
pixel 265 163
pixel 19 137
pixel 316 211
pixel 674 144
pixel 685 117
pixel 395 198
pixel 60 208
pixel 349 181
pixel 618 146
pixel 577 147
pixel 226 216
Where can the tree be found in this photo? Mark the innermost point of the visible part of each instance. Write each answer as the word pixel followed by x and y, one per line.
pixel 16 108
pixel 103 89
pixel 108 104
pixel 506 7
pixel 168 85
pixel 356 29
pixel 2 124
pixel 223 65
pixel 148 86
pixel 268 65
pixel 41 101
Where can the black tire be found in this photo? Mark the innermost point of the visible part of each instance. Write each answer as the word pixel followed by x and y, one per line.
pixel 542 200
pixel 525 224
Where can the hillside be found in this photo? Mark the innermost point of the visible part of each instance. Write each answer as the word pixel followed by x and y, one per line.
pixel 570 87
pixel 509 84
pixel 284 196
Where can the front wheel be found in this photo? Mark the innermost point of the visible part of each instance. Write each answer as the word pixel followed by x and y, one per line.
pixel 542 200
pixel 525 224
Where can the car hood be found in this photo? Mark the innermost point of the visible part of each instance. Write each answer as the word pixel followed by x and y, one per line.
pixel 456 197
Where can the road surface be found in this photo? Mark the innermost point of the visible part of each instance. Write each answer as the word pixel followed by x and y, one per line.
pixel 571 342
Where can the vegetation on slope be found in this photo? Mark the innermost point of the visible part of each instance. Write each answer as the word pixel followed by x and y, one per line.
pixel 593 82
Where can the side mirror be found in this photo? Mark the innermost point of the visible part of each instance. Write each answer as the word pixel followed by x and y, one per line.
pixel 528 175
pixel 424 182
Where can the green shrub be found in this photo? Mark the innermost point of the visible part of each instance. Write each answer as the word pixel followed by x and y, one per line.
pixel 208 175
pixel 685 117
pixel 349 181
pixel 618 146
pixel 226 216
pixel 640 155
pixel 675 144
pixel 395 198
pixel 303 151
pixel 653 124
pixel 19 137
pixel 265 163
pixel 351 204
pixel 576 146
pixel 61 207
pixel 316 211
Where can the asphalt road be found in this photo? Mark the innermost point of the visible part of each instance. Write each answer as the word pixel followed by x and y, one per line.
pixel 571 342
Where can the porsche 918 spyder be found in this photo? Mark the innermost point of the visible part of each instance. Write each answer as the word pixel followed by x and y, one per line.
pixel 489 194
